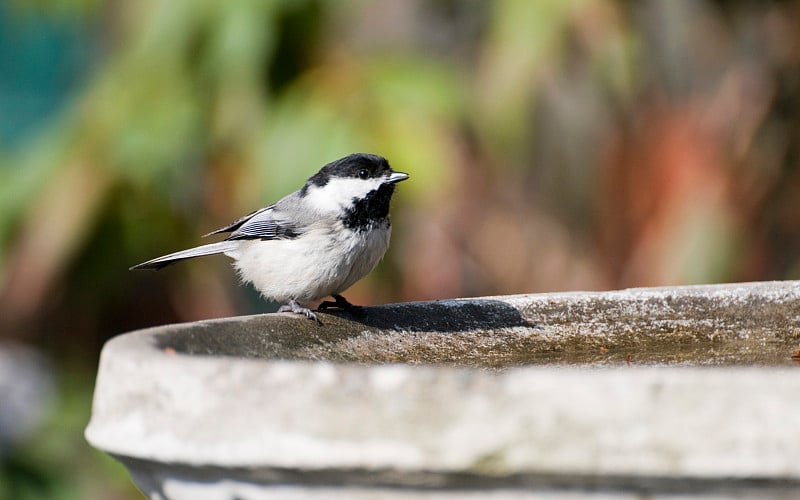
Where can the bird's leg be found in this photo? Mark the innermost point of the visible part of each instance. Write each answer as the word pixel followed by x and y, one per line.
pixel 294 307
pixel 340 303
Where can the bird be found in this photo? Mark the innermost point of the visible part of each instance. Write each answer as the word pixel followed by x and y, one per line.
pixel 313 243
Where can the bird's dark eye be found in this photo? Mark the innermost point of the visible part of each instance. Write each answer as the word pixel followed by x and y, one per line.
pixel 363 174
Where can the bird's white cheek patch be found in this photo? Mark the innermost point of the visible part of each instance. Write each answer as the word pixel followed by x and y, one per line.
pixel 338 193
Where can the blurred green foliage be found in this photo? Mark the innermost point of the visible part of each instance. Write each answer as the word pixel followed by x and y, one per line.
pixel 551 144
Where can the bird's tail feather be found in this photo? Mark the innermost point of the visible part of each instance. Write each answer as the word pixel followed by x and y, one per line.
pixel 210 249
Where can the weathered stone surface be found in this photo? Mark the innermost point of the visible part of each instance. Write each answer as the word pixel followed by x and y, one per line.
pixel 604 392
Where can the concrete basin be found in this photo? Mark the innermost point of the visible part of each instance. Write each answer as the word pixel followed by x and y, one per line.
pixel 644 392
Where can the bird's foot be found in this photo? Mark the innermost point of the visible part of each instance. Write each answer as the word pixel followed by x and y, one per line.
pixel 294 307
pixel 339 303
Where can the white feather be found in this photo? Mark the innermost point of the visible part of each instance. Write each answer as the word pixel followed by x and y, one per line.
pixel 324 261
pixel 338 193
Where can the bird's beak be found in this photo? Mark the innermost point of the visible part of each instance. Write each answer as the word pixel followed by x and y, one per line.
pixel 397 177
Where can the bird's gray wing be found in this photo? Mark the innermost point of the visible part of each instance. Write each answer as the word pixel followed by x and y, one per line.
pixel 263 224
pixel 233 226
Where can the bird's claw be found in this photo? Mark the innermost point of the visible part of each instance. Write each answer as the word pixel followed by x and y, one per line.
pixel 294 307
pixel 340 303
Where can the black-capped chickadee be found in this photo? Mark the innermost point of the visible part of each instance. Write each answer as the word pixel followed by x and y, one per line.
pixel 315 242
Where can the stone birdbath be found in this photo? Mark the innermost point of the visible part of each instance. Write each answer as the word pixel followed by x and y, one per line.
pixel 650 392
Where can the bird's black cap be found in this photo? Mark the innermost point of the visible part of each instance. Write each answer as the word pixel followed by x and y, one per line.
pixel 363 165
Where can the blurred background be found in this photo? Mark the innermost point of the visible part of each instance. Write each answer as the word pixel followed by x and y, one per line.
pixel 552 145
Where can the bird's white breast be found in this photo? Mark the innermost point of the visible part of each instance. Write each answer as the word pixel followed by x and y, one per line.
pixel 325 260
